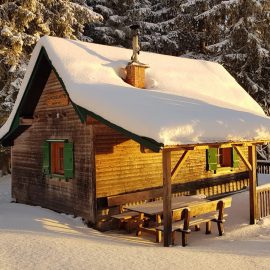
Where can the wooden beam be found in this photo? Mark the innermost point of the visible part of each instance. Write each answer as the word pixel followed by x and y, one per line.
pixel 202 146
pixel 179 148
pixel 134 196
pixel 179 164
pixel 252 184
pixel 167 203
pixel 242 156
pixel 91 121
pixel 25 121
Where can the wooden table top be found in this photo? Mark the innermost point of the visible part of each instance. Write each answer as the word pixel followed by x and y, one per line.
pixel 156 207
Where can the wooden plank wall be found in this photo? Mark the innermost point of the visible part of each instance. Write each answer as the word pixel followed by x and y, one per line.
pixel 29 185
pixel 121 167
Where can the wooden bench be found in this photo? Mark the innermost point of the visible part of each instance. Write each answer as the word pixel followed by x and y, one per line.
pixel 126 217
pixel 129 217
pixel 197 214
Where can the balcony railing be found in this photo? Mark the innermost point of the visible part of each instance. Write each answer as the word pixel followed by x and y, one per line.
pixel 263 166
pixel 263 201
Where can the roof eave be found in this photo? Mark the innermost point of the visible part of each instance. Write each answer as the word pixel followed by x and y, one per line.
pixel 16 129
pixel 223 144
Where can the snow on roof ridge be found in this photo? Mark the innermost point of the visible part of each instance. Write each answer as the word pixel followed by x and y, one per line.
pixel 187 100
pixel 168 87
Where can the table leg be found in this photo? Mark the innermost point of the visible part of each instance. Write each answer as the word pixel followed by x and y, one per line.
pixel 158 233
pixel 208 227
pixel 140 224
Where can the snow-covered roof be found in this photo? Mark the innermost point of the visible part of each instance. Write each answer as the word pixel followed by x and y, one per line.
pixel 186 101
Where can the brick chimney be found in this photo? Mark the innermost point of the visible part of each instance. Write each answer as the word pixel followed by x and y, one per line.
pixel 136 74
pixel 135 70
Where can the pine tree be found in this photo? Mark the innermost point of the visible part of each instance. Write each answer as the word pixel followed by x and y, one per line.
pixel 235 33
pixel 247 55
pixel 22 23
pixel 163 28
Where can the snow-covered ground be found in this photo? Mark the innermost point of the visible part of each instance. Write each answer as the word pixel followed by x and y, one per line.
pixel 37 238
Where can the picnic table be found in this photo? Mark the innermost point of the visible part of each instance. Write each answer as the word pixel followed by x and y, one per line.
pixel 155 208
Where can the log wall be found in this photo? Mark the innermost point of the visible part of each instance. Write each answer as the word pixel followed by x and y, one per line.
pixel 121 167
pixel 75 196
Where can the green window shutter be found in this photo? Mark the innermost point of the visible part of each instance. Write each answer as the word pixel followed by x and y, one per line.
pixel 46 158
pixel 68 160
pixel 235 158
pixel 211 157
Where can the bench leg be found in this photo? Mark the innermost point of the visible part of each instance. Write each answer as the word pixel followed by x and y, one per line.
pixel 129 224
pixel 186 216
pixel 173 237
pixel 208 227
pixel 184 239
pixel 158 233
pixel 140 224
pixel 120 224
pixel 220 228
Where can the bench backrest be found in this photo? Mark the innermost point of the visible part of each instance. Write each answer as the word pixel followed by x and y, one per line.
pixel 146 195
pixel 200 208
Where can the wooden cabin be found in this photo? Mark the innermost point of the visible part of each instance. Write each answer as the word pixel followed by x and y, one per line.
pixel 71 152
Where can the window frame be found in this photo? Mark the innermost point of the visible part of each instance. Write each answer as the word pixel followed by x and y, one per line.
pixel 53 150
pixel 57 158
pixel 215 163
pixel 224 157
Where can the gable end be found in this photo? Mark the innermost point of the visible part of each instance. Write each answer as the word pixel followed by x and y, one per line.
pixel 34 88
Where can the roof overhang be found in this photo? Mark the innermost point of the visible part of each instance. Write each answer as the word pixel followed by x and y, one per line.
pixel 200 146
pixel 33 91
pixel 154 135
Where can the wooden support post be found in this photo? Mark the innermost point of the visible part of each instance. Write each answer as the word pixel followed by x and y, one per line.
pixel 167 204
pixel 252 184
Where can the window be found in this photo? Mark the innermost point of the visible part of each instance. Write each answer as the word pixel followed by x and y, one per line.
pixel 221 157
pixel 224 157
pixel 58 158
